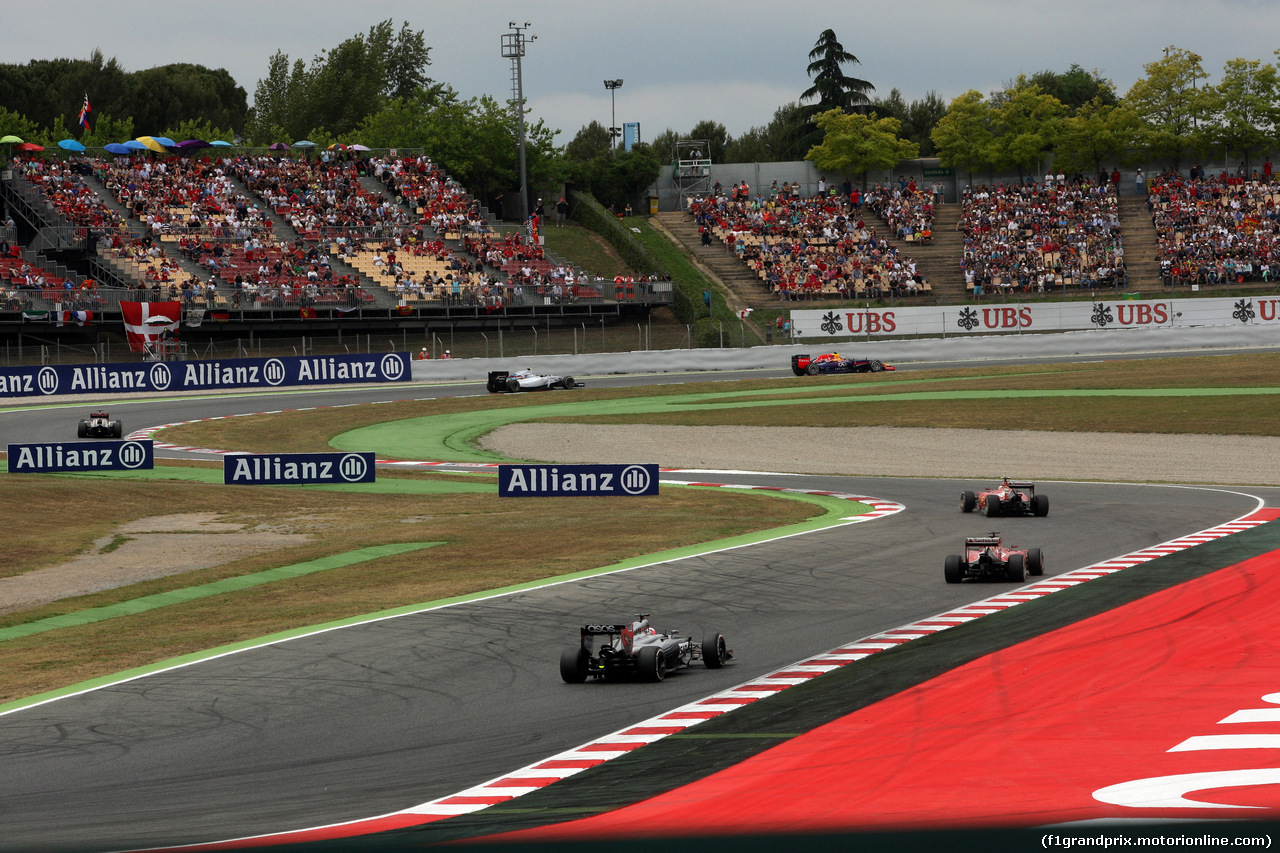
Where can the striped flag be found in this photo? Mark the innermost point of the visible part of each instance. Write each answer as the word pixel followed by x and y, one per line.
pixel 84 112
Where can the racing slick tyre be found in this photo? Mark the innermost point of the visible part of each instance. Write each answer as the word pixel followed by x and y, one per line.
pixel 953 569
pixel 651 664
pixel 812 369
pixel 569 383
pixel 968 500
pixel 993 506
pixel 714 650
pixel 876 367
pixel 82 429
pixel 513 385
pixel 1035 562
pixel 573 664
pixel 1039 505
pixel 118 430
pixel 1017 569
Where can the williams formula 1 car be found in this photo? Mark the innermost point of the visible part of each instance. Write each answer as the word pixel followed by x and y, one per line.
pixel 834 362
pixel 99 425
pixel 501 381
pixel 986 557
pixel 1008 498
pixel 614 651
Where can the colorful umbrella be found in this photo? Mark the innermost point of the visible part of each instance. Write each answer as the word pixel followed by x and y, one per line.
pixel 134 145
pixel 165 141
pixel 277 146
pixel 304 143
pixel 71 145
pixel 358 147
pixel 29 146
pixel 116 148
pixel 188 144
pixel 152 144
pixel 218 143
pixel 6 140
pixel 337 146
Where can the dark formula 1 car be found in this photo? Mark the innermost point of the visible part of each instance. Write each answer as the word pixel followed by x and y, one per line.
pixel 986 557
pixel 636 649
pixel 99 425
pixel 501 381
pixel 834 362
pixel 1008 498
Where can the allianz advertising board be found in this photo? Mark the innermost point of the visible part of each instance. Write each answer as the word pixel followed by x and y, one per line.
pixel 518 481
pixel 68 456
pixel 295 469
pixel 204 375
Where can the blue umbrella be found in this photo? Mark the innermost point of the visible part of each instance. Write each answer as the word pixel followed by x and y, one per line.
pixel 116 148
pixel 165 141
pixel 220 144
pixel 134 145
pixel 304 143
pixel 71 145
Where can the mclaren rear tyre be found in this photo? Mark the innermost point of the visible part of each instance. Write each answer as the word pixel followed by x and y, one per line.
pixel 1039 505
pixel 1016 571
pixel 1035 562
pixel 968 500
pixel 953 569
pixel 573 664
pixel 651 663
pixel 715 652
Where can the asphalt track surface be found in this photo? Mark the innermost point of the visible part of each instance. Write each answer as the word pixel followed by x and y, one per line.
pixel 378 717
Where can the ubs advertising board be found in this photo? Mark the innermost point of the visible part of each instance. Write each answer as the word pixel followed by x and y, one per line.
pixel 66 457
pixel 565 481
pixel 204 375
pixel 980 318
pixel 296 469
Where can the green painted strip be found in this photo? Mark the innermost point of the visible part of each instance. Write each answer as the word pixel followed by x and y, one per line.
pixel 220 587
pixel 837 511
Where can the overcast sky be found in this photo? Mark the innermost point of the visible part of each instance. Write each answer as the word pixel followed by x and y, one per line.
pixel 681 62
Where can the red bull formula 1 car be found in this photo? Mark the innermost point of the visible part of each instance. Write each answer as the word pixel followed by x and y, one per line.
pixel 986 558
pixel 614 651
pixel 1008 498
pixel 501 381
pixel 100 425
pixel 834 362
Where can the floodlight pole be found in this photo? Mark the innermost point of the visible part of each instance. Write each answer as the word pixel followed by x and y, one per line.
pixel 513 48
pixel 613 86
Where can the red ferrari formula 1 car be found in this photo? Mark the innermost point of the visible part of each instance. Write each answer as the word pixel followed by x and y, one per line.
pixel 986 557
pixel 834 362
pixel 614 651
pixel 1008 498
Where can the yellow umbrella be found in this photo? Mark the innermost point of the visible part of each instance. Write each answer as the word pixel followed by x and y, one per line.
pixel 152 144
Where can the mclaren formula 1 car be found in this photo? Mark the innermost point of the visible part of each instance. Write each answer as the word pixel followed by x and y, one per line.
pixel 1008 498
pixel 986 558
pixel 834 362
pixel 500 381
pixel 99 425
pixel 631 649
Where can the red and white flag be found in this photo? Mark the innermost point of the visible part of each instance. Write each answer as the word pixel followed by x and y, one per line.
pixel 144 321
pixel 745 313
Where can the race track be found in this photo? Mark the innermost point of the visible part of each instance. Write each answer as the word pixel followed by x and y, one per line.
pixel 376 718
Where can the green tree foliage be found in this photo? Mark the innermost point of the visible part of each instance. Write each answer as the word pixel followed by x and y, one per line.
pixel 590 142
pixel 1170 103
pixel 617 180
pixel 1077 87
pixel 854 143
pixel 963 137
pixel 717 138
pixel 918 117
pixel 1026 125
pixel 1241 110
pixel 164 97
pixel 341 87
pixel 1096 134
pixel 773 142
pixel 834 89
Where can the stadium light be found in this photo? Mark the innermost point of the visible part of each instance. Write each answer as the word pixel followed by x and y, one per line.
pixel 513 48
pixel 613 86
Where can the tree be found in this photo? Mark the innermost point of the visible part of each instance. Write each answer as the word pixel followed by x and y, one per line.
pixel 1242 109
pixel 963 136
pixel 717 137
pixel 918 117
pixel 856 143
pixel 831 86
pixel 1169 103
pixel 591 141
pixel 1026 126
pixel 1077 87
pixel 1097 133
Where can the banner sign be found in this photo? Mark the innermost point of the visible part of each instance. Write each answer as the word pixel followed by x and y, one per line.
pixel 62 457
pixel 541 481
pixel 292 469
pixel 980 318
pixel 204 375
